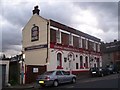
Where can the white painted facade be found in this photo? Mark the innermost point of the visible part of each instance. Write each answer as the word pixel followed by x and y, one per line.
pixel 71 62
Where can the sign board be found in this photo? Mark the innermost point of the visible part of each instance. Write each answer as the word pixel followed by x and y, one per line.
pixel 36 47
pixel 35 70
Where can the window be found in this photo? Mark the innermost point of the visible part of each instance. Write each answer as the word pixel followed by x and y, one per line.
pixel 98 62
pixel 76 65
pixel 52 36
pixel 65 59
pixel 58 73
pixel 70 39
pixel 84 43
pixel 86 62
pixel 76 55
pixel 80 42
pixel 98 47
pixel 75 42
pixel 94 46
pixel 35 33
pixel 58 36
pixel 81 61
pixel 91 45
pixel 48 72
pixel 59 59
pixel 64 38
pixel 66 73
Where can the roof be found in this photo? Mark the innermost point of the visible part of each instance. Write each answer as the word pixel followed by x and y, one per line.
pixel 110 47
pixel 72 30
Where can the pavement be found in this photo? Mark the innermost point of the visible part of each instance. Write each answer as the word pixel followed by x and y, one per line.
pixel 35 85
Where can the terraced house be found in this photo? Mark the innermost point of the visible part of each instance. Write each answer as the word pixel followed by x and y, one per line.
pixel 50 45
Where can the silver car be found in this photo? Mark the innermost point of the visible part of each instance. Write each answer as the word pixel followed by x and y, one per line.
pixel 55 77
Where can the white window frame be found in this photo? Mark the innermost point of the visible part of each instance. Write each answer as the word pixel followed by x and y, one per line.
pixel 81 42
pixel 86 43
pixel 58 36
pixel 70 39
pixel 80 46
pixel 98 47
pixel 94 46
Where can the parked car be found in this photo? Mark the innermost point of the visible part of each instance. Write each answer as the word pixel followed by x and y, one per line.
pixel 95 71
pixel 55 78
pixel 111 69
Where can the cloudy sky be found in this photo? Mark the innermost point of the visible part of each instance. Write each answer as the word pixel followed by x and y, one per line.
pixel 99 19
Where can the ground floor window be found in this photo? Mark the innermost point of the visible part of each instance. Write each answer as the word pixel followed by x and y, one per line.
pixel 81 62
pixel 77 66
pixel 98 62
pixel 59 60
pixel 86 62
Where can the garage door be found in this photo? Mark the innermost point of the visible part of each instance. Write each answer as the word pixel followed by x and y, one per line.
pixel 2 75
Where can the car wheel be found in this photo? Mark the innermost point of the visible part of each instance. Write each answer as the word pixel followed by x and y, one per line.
pixel 73 80
pixel 55 83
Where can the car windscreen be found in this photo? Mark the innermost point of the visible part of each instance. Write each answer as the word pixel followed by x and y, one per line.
pixel 48 73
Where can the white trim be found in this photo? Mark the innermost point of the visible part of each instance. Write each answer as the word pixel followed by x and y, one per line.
pixel 59 32
pixel 90 40
pixel 64 31
pixel 55 28
pixel 82 37
pixel 86 44
pixel 75 35
pixel 70 35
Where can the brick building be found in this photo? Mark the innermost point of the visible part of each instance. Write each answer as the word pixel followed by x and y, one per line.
pixel 50 45
pixel 111 52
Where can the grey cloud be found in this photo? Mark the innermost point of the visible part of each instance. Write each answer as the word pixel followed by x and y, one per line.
pixel 60 12
pixel 106 12
pixel 15 17
pixel 18 16
pixel 10 36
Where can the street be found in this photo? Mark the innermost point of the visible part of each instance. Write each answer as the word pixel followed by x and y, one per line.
pixel 110 81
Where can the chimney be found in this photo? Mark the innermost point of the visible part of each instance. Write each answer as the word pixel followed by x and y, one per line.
pixel 115 40
pixel 36 10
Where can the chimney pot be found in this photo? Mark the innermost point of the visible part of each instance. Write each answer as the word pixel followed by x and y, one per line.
pixel 115 40
pixel 36 10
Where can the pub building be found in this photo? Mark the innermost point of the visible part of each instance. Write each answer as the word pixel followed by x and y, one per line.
pixel 50 45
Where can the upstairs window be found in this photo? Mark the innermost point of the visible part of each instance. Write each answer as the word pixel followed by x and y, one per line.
pixel 84 43
pixel 70 39
pixel 35 33
pixel 52 36
pixel 80 42
pixel 64 38
pixel 75 42
pixel 58 36
pixel 91 45
pixel 98 47
pixel 94 46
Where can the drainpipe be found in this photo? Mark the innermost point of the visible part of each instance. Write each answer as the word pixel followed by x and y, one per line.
pixel 47 42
